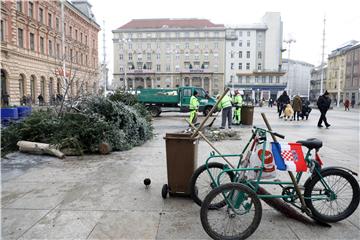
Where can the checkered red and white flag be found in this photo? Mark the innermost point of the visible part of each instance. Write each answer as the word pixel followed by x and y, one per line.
pixel 289 157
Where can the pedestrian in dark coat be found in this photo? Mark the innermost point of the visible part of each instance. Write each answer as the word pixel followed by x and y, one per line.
pixel 282 101
pixel 297 106
pixel 347 105
pixel 323 104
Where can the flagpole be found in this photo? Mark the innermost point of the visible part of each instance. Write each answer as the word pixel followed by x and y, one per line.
pixel 63 43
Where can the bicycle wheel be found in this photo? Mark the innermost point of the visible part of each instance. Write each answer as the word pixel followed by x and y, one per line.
pixel 340 202
pixel 239 219
pixel 201 183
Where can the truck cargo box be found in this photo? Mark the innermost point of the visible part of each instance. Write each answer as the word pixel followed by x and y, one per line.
pixel 158 95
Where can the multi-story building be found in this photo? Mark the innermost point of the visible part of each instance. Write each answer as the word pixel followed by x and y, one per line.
pixel 253 58
pixel 32 53
pixel 315 83
pixel 352 75
pixel 336 71
pixel 298 76
pixel 167 53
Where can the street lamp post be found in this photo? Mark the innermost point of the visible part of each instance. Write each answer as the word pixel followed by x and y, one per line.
pixel 125 41
pixel 289 41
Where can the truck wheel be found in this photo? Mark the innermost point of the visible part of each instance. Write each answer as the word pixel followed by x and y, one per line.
pixel 206 111
pixel 154 111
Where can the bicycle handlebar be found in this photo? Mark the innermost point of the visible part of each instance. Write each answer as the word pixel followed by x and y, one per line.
pixel 278 135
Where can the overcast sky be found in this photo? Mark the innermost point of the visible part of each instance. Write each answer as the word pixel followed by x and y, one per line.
pixel 302 19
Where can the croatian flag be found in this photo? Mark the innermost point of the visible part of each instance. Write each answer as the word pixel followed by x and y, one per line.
pixel 288 157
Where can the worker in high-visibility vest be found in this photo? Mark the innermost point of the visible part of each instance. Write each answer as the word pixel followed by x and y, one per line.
pixel 226 106
pixel 238 101
pixel 194 107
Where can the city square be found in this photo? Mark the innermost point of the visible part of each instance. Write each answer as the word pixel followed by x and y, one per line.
pixel 98 197
pixel 110 109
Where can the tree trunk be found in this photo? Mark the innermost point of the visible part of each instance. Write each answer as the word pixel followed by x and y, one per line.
pixel 39 148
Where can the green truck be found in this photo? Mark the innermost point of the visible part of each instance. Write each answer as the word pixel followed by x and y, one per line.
pixel 159 100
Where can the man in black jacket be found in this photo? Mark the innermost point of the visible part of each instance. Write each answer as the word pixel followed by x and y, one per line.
pixel 323 104
pixel 282 101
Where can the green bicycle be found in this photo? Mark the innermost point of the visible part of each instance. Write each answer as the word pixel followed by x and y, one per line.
pixel 230 197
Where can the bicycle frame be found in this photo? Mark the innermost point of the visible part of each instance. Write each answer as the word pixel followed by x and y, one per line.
pixel 259 138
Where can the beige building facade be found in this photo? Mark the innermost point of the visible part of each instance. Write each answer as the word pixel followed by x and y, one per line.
pixel 336 71
pixel 352 76
pixel 32 51
pixel 168 53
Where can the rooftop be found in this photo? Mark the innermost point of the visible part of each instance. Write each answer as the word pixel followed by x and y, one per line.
pixel 170 23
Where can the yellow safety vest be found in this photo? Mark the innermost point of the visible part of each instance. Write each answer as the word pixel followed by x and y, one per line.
pixel 225 102
pixel 194 103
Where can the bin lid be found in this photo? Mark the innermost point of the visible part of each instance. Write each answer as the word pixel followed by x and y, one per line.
pixel 182 136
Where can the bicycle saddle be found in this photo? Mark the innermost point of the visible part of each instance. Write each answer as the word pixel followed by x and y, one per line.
pixel 311 143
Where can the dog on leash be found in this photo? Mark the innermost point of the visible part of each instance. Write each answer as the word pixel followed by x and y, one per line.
pixel 288 112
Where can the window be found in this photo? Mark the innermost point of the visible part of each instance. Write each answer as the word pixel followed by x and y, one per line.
pixel 247 66
pixel 168 68
pixel 148 45
pixel 259 66
pixel 57 24
pixel 93 43
pixel 240 43
pixel 277 79
pixel 240 54
pixel 86 40
pixel 256 79
pixel 240 33
pixel 19 6
pixel 158 56
pixel 248 33
pixel 70 31
pixel 259 55
pixel 81 37
pixel 216 44
pixel 41 15
pixel 232 44
pixel 42 48
pixel 270 79
pixel 232 54
pixel 248 43
pixel 50 48
pixel 81 59
pixel 186 45
pixel 196 45
pixel 130 57
pixel 231 78
pixel 50 20
pixel 2 30
pixel 239 79
pixel 20 38
pixel 86 59
pixel 263 79
pixel 121 56
pixel 31 9
pixel 247 79
pixel 71 55
pixel 232 66
pixel 76 34
pixel 158 67
pixel 32 41
pixel 240 66
pixel 148 56
pixel 247 54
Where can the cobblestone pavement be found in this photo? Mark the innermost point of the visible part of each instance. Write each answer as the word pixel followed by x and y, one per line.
pixel 103 197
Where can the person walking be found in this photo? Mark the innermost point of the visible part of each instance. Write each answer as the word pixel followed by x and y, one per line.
pixel 41 100
pixel 347 105
pixel 283 100
pixel 238 101
pixel 323 104
pixel 226 107
pixel 271 102
pixel 194 107
pixel 297 107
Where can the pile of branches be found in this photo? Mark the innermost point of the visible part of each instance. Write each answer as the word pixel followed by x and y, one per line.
pixel 97 120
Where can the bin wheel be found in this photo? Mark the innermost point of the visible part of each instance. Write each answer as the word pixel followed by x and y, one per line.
pixel 164 191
